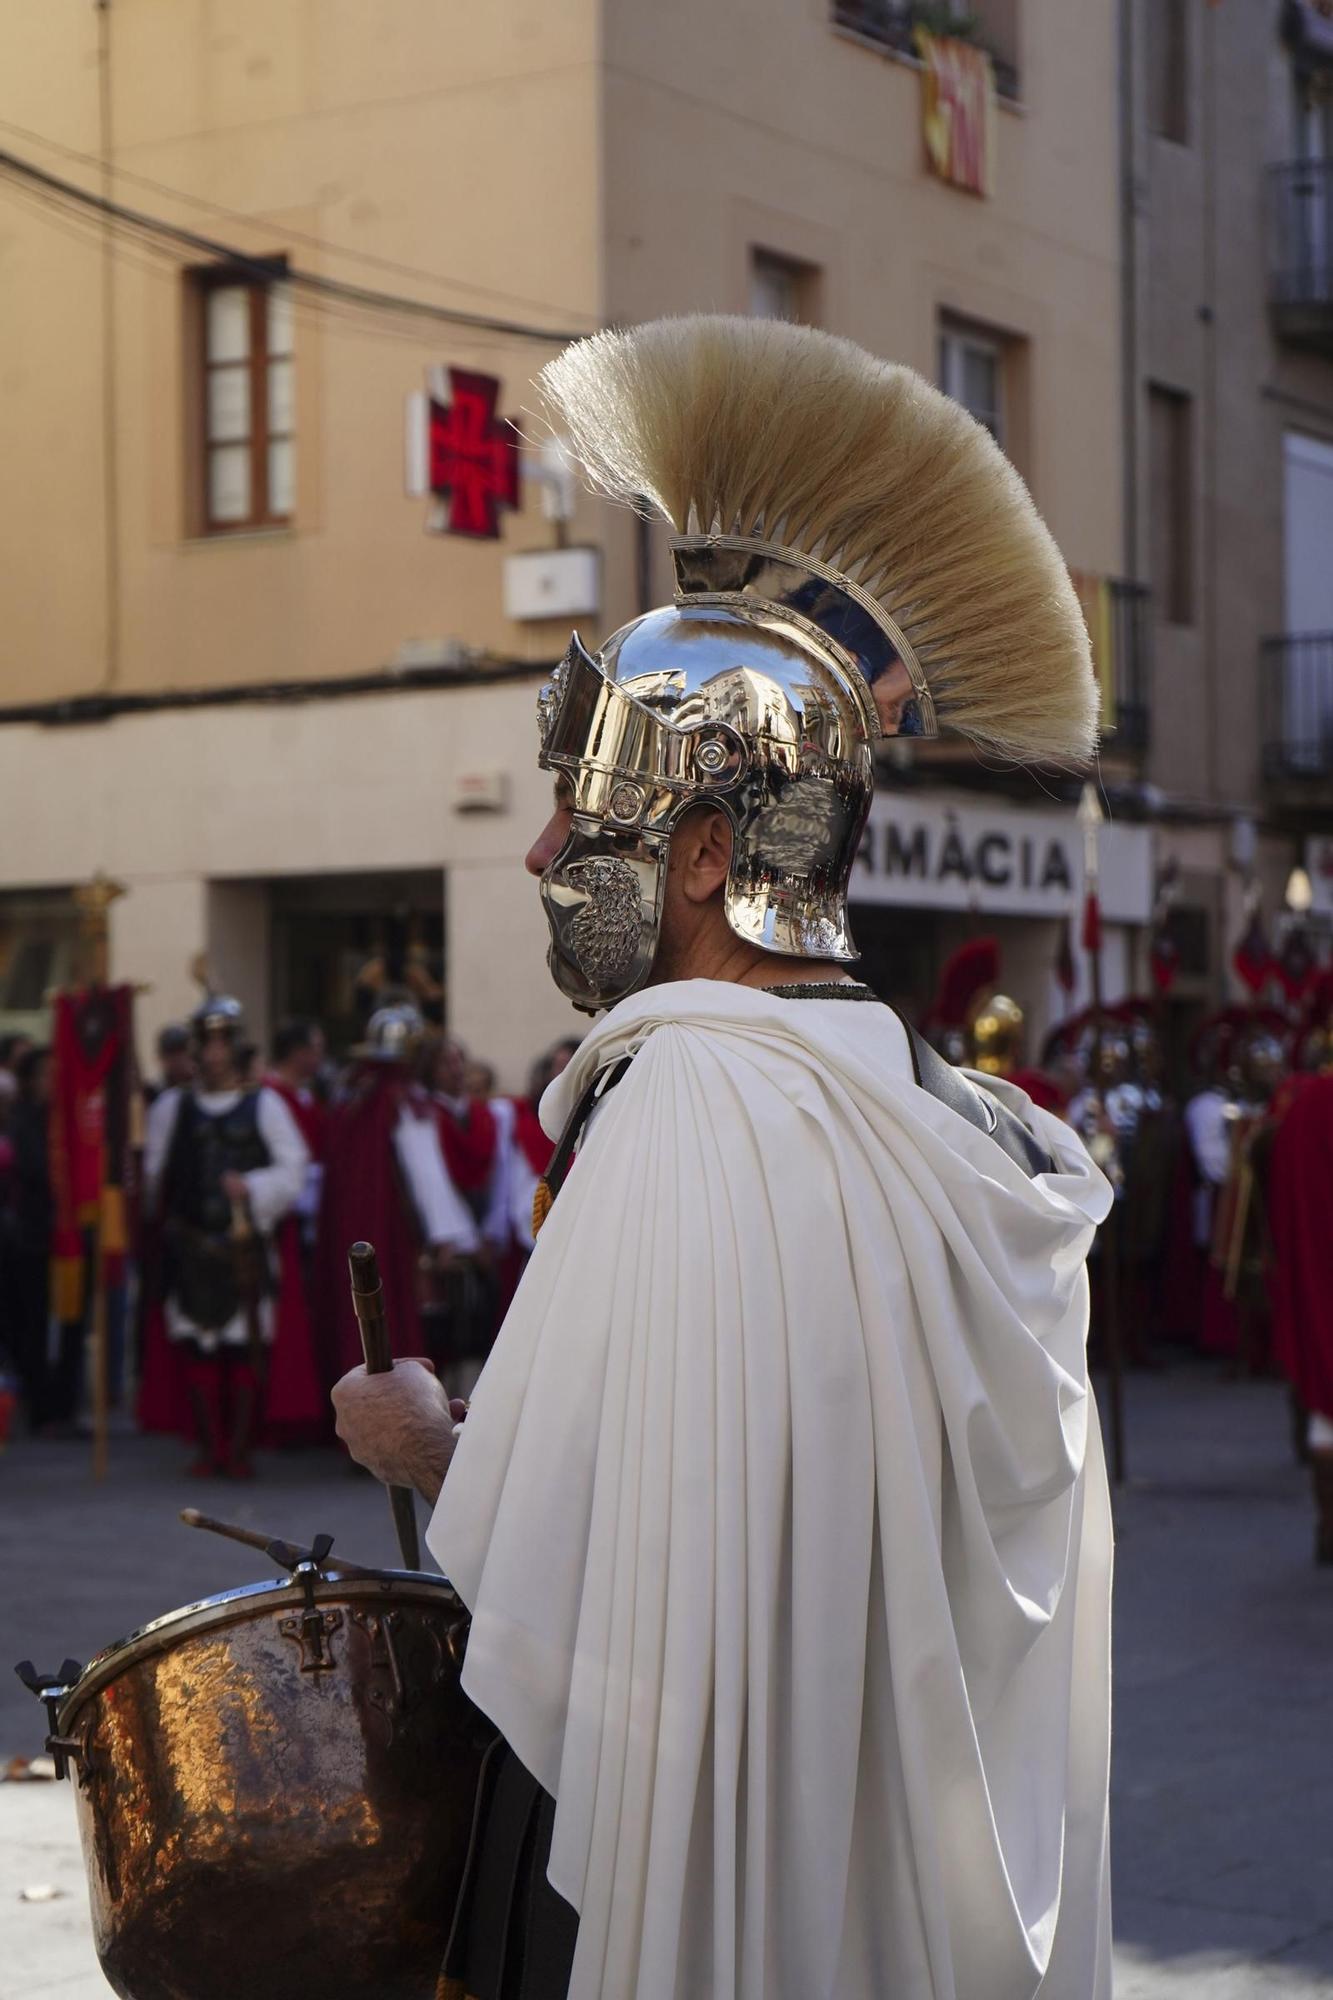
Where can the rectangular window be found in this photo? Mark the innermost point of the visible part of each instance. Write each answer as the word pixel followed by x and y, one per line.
pixel 971 370
pixel 247 419
pixel 1168 70
pixel 1171 504
pixel 783 288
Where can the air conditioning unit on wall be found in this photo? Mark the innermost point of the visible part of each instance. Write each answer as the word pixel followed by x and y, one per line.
pixel 553 583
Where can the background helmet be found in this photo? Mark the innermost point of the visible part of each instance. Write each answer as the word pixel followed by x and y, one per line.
pixel 218 1013
pixel 393 1034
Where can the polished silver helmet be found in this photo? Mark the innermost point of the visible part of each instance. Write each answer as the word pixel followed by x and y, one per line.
pixel 750 693
pixel 839 524
pixel 217 1013
pixel 393 1035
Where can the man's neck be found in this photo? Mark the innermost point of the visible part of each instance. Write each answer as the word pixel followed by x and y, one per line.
pixel 286 1074
pixel 731 958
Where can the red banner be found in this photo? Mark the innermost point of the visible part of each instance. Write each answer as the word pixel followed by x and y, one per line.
pixel 92 1080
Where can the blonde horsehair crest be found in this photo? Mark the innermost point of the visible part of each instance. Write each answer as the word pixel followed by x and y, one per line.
pixel 760 428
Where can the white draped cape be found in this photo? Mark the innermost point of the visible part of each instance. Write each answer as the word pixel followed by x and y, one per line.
pixel 782 1518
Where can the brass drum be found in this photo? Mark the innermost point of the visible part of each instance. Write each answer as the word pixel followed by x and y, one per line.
pixel 275 1790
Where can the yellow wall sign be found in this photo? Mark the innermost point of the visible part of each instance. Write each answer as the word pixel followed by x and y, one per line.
pixel 957 111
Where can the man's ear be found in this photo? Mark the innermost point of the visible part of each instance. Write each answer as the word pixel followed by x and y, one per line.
pixel 701 853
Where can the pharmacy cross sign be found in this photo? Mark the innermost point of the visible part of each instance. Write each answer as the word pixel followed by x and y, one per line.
pixel 471 455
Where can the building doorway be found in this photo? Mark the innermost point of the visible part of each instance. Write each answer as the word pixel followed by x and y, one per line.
pixel 341 943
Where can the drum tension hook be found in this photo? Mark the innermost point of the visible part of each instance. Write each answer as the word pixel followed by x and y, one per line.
pixel 312 1627
pixel 52 1689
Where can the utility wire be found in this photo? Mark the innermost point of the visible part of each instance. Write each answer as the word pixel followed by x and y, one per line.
pixel 313 283
pixel 204 207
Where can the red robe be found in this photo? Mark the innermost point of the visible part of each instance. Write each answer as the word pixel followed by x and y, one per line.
pixel 365 1201
pixel 529 1136
pixel 1300 1209
pixel 469 1146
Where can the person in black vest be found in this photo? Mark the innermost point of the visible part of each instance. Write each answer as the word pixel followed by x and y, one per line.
pixel 223 1164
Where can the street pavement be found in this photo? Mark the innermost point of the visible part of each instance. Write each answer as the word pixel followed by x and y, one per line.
pixel 1222 1796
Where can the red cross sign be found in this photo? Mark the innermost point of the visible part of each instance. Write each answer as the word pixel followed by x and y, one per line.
pixel 473 455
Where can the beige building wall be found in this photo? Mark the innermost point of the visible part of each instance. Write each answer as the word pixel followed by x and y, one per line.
pixel 441 137
pixel 196 812
pixel 562 165
pixel 800 139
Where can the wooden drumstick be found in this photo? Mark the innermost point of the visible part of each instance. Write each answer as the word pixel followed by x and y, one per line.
pixel 368 1304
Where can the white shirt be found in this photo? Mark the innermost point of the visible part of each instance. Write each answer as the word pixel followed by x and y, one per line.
pixel 272 1190
pixel 497 1225
pixel 444 1216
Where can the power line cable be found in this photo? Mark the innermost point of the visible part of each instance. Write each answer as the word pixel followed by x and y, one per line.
pixel 205 207
pixel 138 251
pixel 262 269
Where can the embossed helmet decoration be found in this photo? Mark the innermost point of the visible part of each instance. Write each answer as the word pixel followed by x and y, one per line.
pixel 836 519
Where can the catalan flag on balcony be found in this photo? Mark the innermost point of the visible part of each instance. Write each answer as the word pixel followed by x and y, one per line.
pixel 1094 594
pixel 957 111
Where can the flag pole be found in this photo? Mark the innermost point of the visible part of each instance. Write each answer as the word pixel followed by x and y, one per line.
pixel 1090 819
pixel 94 903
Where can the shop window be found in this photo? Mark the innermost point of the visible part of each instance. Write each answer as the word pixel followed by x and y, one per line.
pixel 783 288
pixel 1171 504
pixel 39 953
pixel 244 393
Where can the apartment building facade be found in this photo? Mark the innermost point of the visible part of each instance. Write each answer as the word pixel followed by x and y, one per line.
pixel 256 669
pixel 1228 128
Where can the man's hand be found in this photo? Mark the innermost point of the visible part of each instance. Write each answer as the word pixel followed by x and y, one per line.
pixel 235 1188
pixel 400 1426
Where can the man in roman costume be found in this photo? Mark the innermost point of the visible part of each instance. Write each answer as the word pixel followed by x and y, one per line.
pixel 780 1507
pixel 386 1182
pixel 223 1164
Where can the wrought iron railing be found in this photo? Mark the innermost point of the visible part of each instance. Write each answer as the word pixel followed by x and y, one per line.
pixel 1300 236
pixel 1297 708
pixel 893 24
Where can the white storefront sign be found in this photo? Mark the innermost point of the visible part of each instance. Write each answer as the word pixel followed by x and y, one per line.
pixel 931 853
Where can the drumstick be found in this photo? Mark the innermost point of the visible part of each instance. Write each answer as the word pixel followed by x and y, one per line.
pixel 368 1304
pixel 282 1552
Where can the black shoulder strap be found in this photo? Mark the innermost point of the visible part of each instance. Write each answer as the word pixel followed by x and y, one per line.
pixel 951 1087
pixel 562 1159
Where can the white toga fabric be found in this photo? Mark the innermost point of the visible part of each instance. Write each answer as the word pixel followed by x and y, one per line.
pixel 444 1216
pixel 271 1190
pixel 782 1518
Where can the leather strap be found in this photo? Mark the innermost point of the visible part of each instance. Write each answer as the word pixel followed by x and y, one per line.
pixel 940 1080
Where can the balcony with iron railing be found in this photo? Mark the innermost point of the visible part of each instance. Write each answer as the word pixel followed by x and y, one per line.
pixel 1300 243
pixel 1297 716
pixel 892 25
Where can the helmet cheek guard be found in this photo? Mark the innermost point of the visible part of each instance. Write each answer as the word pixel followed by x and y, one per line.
pixel 748 694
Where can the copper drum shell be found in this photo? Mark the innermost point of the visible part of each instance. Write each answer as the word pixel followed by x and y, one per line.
pixel 275 1791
